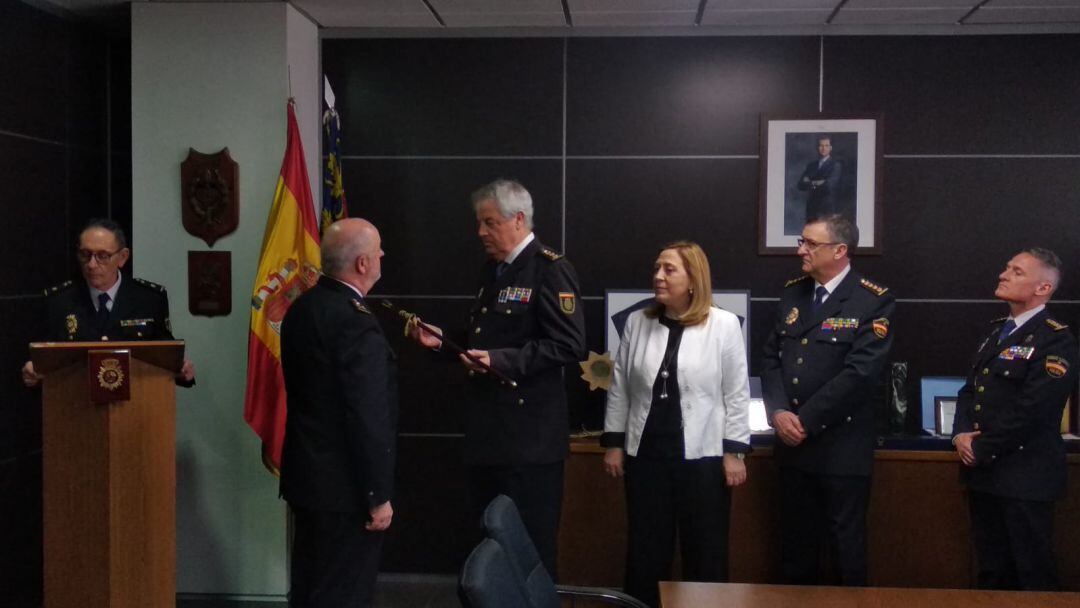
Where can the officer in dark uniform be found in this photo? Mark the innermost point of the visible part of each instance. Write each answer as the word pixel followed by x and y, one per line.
pixel 527 323
pixel 821 363
pixel 337 468
pixel 106 305
pixel 1007 428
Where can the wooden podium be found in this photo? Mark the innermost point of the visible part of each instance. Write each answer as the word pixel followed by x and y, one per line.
pixel 109 473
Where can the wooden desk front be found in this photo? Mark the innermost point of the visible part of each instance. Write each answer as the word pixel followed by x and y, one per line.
pixel 919 531
pixel 738 595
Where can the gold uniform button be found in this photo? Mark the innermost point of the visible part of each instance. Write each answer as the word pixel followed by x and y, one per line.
pixel 472 373
pixel 476 331
pixel 783 332
pixel 507 311
pixel 483 310
pixel 1006 372
pixel 798 361
pixel 804 341
pixel 976 426
pixel 986 370
pixel 521 402
pixel 794 402
pixel 834 339
pixel 794 380
pixel 982 389
pixel 978 407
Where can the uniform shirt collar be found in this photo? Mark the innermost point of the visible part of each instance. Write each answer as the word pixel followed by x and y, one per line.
pixel 834 282
pixel 520 247
pixel 352 287
pixel 1024 317
pixel 94 293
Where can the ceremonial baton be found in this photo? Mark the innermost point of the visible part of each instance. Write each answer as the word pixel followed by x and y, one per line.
pixel 412 318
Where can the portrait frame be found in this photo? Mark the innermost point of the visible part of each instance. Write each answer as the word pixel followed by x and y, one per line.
pixel 789 147
pixel 944 414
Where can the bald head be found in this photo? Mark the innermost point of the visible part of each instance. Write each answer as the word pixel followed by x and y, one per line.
pixel 352 252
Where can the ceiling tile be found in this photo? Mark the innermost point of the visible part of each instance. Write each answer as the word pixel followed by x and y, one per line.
pixel 368 13
pixel 631 6
pixel 634 19
pixel 759 5
pixel 965 4
pixel 765 17
pixel 879 16
pixel 1032 3
pixel 444 7
pixel 988 14
pixel 494 19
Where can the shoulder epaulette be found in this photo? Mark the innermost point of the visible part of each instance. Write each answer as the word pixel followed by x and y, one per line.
pixel 873 287
pixel 358 306
pixel 999 320
pixel 150 284
pixel 796 280
pixel 55 288
pixel 550 254
pixel 1054 325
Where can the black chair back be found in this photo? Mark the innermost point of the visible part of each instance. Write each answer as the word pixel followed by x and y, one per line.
pixel 490 580
pixel 502 522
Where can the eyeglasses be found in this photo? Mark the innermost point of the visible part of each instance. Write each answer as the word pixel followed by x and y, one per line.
pixel 812 245
pixel 84 255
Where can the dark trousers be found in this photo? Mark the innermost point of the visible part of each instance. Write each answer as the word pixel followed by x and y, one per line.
pixel 334 560
pixel 665 496
pixel 536 490
pixel 823 510
pixel 1014 540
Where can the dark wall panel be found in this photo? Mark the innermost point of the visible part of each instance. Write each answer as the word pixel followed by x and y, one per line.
pixel 951 224
pixel 960 95
pixel 683 95
pixel 35 54
pixel 427 223
pixel 675 123
pixel 448 96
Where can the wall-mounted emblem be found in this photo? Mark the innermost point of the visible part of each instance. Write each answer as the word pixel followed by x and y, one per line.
pixel 209 194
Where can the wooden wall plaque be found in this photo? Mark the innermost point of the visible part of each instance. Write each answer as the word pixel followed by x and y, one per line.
pixel 209 194
pixel 210 283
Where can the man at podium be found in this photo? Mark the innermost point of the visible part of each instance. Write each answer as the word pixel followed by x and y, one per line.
pixel 105 305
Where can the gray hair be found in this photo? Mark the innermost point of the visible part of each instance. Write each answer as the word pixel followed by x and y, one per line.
pixel 339 252
pixel 840 228
pixel 509 196
pixel 1050 261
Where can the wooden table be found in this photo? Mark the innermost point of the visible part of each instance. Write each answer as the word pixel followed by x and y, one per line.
pixel 741 595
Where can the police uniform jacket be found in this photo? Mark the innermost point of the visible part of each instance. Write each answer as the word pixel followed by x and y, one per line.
pixel 140 312
pixel 341 386
pixel 823 366
pixel 1014 396
pixel 531 322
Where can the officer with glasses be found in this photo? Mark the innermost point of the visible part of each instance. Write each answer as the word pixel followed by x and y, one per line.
pixel 106 305
pixel 821 364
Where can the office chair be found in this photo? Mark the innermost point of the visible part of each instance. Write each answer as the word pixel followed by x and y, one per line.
pixel 489 580
pixel 502 522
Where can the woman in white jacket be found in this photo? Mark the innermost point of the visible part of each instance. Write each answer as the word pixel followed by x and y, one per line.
pixel 677 425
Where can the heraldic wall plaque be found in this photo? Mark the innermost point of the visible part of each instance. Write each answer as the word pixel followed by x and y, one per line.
pixel 210 283
pixel 109 375
pixel 209 194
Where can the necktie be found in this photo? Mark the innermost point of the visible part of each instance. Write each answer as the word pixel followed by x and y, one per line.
pixel 102 316
pixel 1006 329
pixel 819 297
pixel 500 269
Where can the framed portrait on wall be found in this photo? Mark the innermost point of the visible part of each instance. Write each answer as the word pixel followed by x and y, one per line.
pixel 814 166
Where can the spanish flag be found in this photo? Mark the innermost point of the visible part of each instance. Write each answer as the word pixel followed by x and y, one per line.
pixel 288 266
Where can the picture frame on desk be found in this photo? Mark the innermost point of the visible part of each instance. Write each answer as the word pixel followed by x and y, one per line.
pixel 819 165
pixel 944 414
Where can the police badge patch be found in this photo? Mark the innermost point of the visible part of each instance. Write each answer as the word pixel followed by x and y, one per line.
pixel 881 328
pixel 567 302
pixel 1056 366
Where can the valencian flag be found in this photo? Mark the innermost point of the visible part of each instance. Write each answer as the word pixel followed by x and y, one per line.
pixel 334 206
pixel 288 266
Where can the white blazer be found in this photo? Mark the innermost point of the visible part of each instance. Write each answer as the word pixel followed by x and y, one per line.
pixel 713 383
